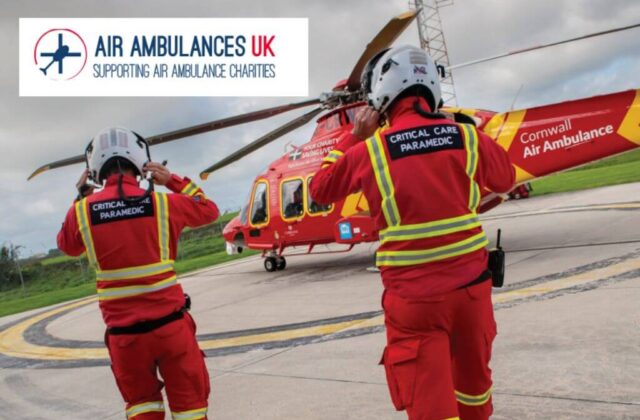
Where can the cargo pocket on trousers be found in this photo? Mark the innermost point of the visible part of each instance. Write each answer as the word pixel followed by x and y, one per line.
pixel 400 364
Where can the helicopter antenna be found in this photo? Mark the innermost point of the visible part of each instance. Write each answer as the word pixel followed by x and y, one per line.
pixel 432 41
pixel 515 98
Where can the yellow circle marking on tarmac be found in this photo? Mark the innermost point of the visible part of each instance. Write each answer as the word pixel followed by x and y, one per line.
pixel 12 342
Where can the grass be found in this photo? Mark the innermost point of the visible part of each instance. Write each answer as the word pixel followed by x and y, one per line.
pixel 15 302
pixel 612 171
pixel 60 278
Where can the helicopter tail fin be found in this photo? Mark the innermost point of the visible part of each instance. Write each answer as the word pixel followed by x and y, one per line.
pixel 43 70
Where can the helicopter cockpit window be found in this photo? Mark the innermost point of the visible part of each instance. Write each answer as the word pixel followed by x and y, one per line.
pixel 330 123
pixel 351 113
pixel 314 207
pixel 292 199
pixel 259 209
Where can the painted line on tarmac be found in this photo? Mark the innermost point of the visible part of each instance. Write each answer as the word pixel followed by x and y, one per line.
pixel 629 206
pixel 25 343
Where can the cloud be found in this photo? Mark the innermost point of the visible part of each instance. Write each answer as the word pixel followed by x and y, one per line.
pixel 38 130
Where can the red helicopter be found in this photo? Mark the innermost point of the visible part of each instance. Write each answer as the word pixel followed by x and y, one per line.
pixel 281 214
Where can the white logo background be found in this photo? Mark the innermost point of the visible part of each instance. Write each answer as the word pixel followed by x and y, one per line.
pixel 291 45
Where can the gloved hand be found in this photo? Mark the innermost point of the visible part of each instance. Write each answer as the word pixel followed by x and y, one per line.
pixel 160 174
pixel 366 123
pixel 83 187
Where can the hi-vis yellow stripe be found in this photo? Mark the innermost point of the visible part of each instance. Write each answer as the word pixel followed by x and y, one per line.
pixel 196 414
pixel 82 215
pixel 332 156
pixel 474 400
pixel 411 257
pixel 162 217
pixel 147 407
pixel 383 179
pixel 190 189
pixel 132 273
pixel 471 138
pixel 430 229
pixel 128 291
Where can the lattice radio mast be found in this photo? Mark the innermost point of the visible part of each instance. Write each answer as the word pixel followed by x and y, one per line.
pixel 432 40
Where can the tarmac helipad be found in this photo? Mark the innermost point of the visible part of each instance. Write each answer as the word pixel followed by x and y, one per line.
pixel 304 343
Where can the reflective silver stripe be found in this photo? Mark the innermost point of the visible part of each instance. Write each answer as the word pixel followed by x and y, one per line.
pixel 471 136
pixel 120 292
pixel 85 231
pixel 378 162
pixel 145 408
pixel 189 415
pixel 429 230
pixel 399 258
pixel 163 225
pixel 134 272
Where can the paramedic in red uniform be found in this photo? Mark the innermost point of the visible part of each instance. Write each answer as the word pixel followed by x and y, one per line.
pixel 130 236
pixel 422 175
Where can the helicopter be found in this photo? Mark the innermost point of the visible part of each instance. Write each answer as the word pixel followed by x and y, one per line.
pixel 280 214
pixel 60 54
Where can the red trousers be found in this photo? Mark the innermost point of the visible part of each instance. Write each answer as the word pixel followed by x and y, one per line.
pixel 173 351
pixel 438 352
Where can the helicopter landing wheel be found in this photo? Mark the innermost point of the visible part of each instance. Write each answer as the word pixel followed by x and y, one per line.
pixel 270 264
pixel 281 263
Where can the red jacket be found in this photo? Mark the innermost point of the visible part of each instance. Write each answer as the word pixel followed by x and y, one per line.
pixel 133 246
pixel 430 184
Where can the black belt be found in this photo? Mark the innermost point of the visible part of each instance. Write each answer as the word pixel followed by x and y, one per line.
pixel 146 326
pixel 484 276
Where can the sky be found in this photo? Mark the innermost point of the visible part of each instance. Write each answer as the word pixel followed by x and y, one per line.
pixel 34 131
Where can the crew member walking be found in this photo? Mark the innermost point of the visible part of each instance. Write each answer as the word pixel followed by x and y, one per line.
pixel 422 175
pixel 131 237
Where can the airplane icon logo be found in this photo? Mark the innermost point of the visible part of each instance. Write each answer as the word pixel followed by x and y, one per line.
pixel 56 45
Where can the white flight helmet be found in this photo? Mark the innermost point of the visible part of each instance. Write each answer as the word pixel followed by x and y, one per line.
pixel 392 71
pixel 116 142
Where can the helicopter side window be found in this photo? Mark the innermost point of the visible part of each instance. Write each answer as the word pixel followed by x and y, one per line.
pixel 259 208
pixel 314 207
pixel 244 212
pixel 292 201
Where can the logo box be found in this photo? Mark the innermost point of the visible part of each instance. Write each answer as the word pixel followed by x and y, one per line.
pixel 164 57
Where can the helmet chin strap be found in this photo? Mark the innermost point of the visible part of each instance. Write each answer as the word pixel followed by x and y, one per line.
pixel 424 113
pixel 132 199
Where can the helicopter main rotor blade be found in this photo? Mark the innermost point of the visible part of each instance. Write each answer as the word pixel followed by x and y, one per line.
pixel 382 40
pixel 57 164
pixel 191 131
pixel 262 141
pixel 228 122
pixel 538 47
